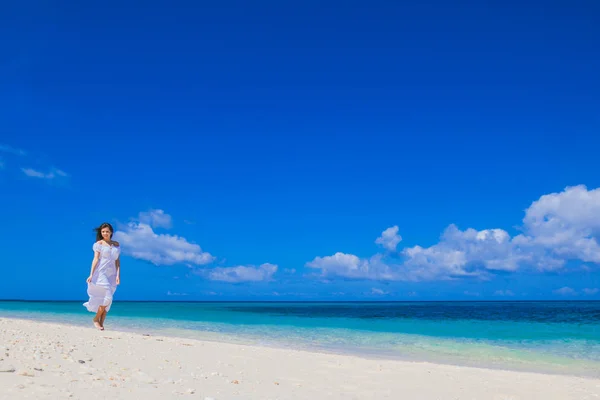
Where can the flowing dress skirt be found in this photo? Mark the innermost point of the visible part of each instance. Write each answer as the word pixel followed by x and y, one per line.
pixel 100 295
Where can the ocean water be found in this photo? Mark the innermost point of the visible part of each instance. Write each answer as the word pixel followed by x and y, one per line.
pixel 555 337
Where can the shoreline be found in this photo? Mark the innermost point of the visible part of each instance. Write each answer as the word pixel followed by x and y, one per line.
pixel 536 367
pixel 47 361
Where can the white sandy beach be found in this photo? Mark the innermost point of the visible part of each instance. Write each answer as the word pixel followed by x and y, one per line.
pixel 52 361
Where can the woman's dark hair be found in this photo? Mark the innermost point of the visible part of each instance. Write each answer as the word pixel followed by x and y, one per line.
pixel 99 230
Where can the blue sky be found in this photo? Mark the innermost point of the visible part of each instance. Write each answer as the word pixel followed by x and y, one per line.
pixel 258 151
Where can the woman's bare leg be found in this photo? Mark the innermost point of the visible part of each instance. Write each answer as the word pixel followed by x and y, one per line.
pixel 103 317
pixel 97 317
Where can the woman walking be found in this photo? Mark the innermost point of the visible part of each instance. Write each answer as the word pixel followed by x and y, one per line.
pixel 104 275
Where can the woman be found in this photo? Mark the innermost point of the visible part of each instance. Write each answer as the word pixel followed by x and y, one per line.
pixel 105 274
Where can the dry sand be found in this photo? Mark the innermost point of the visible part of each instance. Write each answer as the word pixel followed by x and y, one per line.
pixel 52 361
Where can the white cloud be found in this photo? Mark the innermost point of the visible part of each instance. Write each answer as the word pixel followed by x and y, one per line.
pixel 565 291
pixel 36 174
pixel 448 259
pixel 169 293
pixel 504 293
pixel 567 223
pixel 50 173
pixel 475 253
pixel 139 240
pixel 589 291
pixel 558 227
pixel 377 291
pixel 53 173
pixel 156 219
pixel 462 254
pixel 468 293
pixel 9 149
pixel 389 238
pixel 351 266
pixel 241 273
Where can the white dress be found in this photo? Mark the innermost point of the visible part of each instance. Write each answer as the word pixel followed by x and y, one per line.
pixel 104 280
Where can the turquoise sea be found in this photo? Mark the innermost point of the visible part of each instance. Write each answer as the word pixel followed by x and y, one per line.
pixel 557 337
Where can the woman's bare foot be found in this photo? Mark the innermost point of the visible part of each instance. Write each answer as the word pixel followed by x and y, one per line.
pixel 97 325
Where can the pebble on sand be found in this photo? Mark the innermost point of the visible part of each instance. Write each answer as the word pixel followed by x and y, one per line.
pixel 7 368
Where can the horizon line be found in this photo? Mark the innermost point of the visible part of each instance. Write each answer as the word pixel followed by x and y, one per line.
pixel 310 301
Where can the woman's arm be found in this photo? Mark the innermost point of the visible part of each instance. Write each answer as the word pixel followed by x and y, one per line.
pixel 94 265
pixel 118 265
